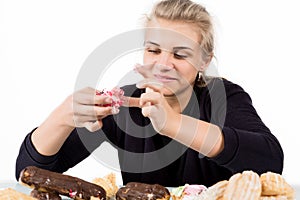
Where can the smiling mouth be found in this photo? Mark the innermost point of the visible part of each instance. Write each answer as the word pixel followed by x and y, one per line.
pixel 164 79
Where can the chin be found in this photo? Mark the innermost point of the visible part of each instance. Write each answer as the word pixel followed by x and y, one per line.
pixel 168 92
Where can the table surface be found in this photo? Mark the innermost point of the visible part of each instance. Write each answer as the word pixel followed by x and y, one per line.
pixel 15 185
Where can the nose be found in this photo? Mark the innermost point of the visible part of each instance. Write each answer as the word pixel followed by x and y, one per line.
pixel 164 61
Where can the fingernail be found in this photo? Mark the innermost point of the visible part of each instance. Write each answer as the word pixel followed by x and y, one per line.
pixel 141 83
pixel 138 85
pixel 149 89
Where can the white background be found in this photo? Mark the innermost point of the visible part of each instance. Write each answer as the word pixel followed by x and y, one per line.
pixel 43 45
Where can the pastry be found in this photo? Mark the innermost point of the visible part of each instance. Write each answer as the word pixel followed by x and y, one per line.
pixel 278 197
pixel 48 181
pixel 273 184
pixel 244 185
pixel 289 191
pixel 11 194
pixel 117 96
pixel 108 182
pixel 176 193
pixel 142 191
pixel 214 192
pixel 40 195
pixel 187 192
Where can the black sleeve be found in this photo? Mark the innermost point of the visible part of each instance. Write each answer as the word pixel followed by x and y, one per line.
pixel 77 147
pixel 248 143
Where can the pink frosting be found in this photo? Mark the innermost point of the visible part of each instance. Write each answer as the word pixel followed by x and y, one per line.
pixel 117 95
pixel 194 189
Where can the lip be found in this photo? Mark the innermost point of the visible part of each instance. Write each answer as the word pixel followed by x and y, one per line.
pixel 164 78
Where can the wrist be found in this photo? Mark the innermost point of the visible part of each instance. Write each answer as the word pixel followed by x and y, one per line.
pixel 62 116
pixel 51 134
pixel 172 125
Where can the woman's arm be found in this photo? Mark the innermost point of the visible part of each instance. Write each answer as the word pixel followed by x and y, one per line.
pixel 204 137
pixel 248 142
pixel 78 110
pixel 55 144
pixel 52 133
pixel 238 142
pixel 72 152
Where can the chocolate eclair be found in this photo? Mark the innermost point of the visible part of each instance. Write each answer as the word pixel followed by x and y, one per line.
pixel 73 187
pixel 142 191
pixel 43 195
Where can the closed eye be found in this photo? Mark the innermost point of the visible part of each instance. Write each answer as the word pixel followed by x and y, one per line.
pixel 154 51
pixel 180 56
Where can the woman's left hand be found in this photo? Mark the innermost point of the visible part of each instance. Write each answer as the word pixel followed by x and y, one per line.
pixel 155 106
pixel 153 103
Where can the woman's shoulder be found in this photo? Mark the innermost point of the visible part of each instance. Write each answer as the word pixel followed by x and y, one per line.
pixel 217 83
pixel 221 91
pixel 220 88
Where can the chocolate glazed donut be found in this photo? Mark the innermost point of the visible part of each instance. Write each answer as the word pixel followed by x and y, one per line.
pixel 142 191
pixel 56 183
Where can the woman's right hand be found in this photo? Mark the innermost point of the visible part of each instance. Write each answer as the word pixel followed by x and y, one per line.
pixel 80 109
pixel 83 109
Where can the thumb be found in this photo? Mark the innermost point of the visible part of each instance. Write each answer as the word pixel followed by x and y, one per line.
pixel 93 126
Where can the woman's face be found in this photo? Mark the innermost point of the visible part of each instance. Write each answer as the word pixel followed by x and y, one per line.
pixel 173 51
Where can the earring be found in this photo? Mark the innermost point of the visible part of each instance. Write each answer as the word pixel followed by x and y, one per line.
pixel 199 76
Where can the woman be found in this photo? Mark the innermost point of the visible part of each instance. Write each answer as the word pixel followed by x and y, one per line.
pixel 180 126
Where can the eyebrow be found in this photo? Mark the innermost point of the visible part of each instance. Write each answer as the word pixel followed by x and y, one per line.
pixel 150 42
pixel 174 48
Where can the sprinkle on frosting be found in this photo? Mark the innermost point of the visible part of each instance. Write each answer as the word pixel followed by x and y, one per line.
pixel 72 194
pixel 116 94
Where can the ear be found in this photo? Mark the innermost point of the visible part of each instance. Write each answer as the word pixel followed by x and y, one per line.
pixel 205 63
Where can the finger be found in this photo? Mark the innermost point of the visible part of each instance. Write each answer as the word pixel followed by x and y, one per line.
pixel 93 126
pixel 87 90
pixel 144 70
pixel 100 111
pixel 91 99
pixel 102 99
pixel 150 98
pixel 80 120
pixel 150 83
pixel 88 110
pixel 148 90
pixel 84 93
pixel 146 111
pixel 131 102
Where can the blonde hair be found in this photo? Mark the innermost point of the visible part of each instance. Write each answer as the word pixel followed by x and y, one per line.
pixel 189 12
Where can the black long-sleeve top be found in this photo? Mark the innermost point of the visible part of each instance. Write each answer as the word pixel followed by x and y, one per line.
pixel 146 156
